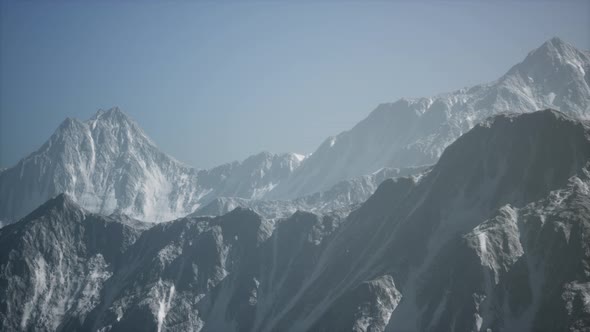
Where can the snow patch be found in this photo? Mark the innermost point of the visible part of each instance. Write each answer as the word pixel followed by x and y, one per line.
pixel 39 285
pixel 165 304
pixel 482 239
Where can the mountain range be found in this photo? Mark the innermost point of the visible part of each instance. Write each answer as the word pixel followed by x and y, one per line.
pixel 107 164
pixel 341 198
pixel 494 237
pixel 468 211
pixel 414 132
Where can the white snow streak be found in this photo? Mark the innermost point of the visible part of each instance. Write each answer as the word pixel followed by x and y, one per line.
pixel 164 308
pixel 481 237
pixel 39 284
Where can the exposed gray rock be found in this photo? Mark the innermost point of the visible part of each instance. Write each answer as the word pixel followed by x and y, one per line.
pixel 496 236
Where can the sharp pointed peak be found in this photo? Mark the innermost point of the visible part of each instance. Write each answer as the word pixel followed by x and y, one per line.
pixel 551 48
pixel 67 124
pixel 114 110
pixel 116 117
pixel 547 59
pixel 556 45
pixel 68 121
pixel 555 42
pixel 111 113
pixel 61 203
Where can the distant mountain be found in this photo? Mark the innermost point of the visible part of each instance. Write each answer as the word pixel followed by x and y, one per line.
pixel 413 132
pixel 108 164
pixel 341 198
pixel 496 236
pixel 252 178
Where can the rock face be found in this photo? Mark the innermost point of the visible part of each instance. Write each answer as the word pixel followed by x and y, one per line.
pixel 495 236
pixel 413 132
pixel 108 164
pixel 55 263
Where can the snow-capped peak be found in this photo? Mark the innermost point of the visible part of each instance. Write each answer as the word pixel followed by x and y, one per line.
pixel 108 164
pixel 554 48
pixel 414 132
pixel 555 55
pixel 111 112
pixel 114 119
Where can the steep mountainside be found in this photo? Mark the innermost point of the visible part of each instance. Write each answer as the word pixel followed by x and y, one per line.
pixel 496 236
pixel 55 261
pixel 108 164
pixel 414 132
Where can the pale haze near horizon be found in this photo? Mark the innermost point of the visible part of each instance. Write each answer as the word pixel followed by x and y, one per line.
pixel 211 83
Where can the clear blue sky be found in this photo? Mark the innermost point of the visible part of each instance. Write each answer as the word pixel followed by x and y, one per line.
pixel 212 83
